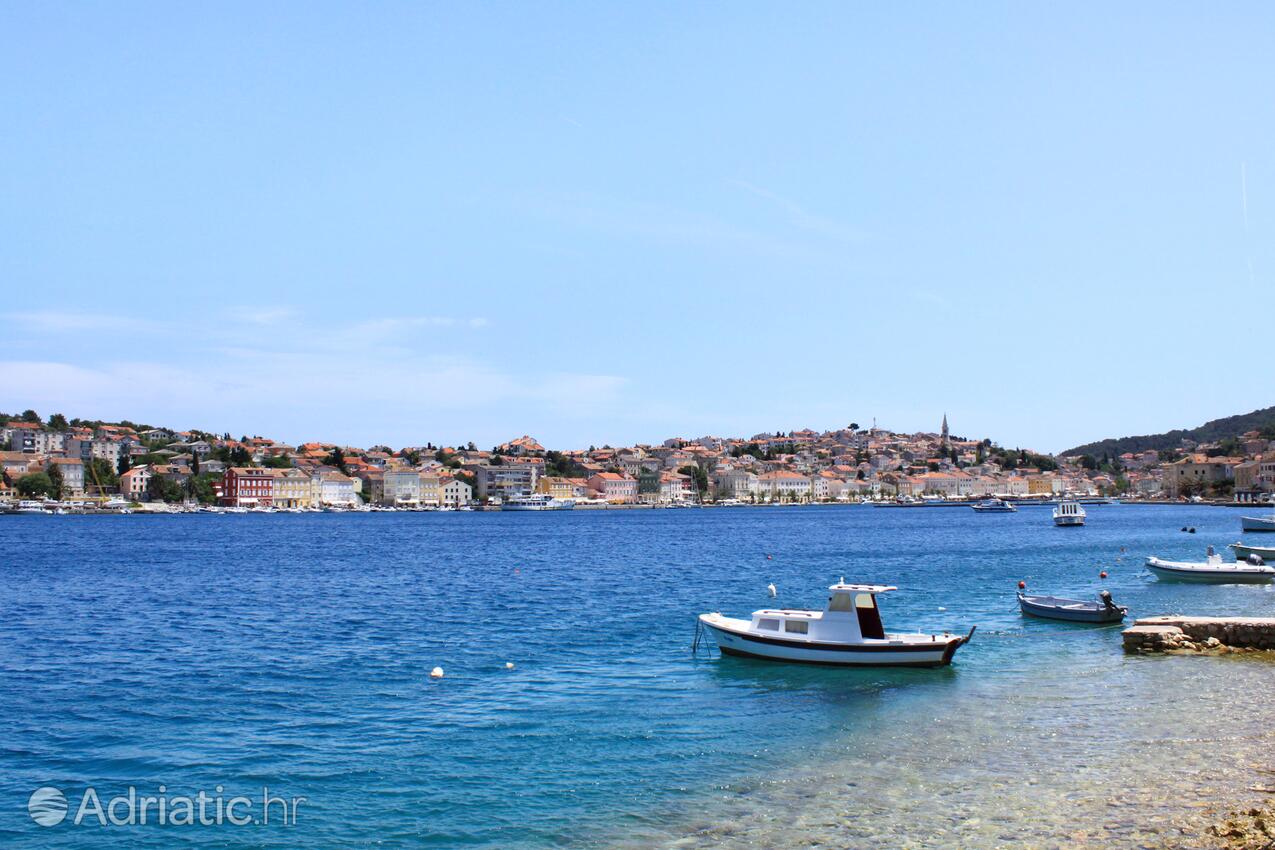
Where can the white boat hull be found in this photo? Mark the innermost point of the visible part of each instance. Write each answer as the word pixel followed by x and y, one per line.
pixel 1258 523
pixel 880 653
pixel 1068 521
pixel 1210 573
pixel 1266 553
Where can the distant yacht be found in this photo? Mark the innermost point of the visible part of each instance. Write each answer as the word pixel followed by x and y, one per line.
pixel 1068 514
pixel 992 506
pixel 537 502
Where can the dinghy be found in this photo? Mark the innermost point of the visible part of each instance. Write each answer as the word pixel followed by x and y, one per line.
pixel 1214 570
pixel 1243 553
pixel 1073 610
pixel 848 632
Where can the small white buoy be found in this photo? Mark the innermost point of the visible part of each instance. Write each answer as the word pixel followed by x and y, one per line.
pixel 941 608
pixel 770 588
pixel 436 673
pixel 509 665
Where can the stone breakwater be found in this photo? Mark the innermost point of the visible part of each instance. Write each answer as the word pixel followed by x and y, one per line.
pixel 1200 634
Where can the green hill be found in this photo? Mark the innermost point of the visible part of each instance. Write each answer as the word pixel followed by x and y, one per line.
pixel 1210 432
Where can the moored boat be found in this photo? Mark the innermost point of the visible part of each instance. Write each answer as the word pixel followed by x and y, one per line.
pixel 994 506
pixel 1069 514
pixel 848 632
pixel 1243 553
pixel 1072 610
pixel 1258 523
pixel 537 502
pixel 1214 571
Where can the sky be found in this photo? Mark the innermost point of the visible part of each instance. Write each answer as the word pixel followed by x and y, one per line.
pixel 604 223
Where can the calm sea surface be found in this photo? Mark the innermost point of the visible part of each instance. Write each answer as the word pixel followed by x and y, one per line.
pixel 294 652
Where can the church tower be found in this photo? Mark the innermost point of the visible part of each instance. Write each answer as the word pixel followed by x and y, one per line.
pixel 945 430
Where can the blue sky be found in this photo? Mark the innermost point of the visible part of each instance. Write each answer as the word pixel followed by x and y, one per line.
pixel 607 223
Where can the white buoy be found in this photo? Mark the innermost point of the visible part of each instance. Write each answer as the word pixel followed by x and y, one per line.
pixel 509 665
pixel 436 673
pixel 770 588
pixel 941 608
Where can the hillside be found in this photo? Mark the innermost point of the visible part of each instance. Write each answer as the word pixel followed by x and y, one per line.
pixel 1209 432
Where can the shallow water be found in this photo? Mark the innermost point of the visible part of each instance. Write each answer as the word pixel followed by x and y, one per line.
pixel 293 651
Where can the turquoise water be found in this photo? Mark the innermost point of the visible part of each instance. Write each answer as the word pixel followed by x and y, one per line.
pixel 294 651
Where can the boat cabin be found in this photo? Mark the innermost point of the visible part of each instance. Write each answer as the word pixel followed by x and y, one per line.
pixel 851 615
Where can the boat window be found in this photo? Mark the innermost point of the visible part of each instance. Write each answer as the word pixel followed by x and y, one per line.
pixel 800 627
pixel 865 600
pixel 765 623
pixel 840 602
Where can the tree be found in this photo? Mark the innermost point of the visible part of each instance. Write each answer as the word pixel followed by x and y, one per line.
pixel 337 458
pixel 854 426
pixel 30 416
pixel 163 489
pixel 412 456
pixel 55 478
pixel 194 465
pixel 34 485
pixel 239 456
pixel 101 473
pixel 698 475
pixel 58 422
pixel 283 461
pixel 124 465
pixel 201 487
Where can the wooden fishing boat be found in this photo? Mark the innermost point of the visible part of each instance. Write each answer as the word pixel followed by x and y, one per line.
pixel 1072 610
pixel 848 632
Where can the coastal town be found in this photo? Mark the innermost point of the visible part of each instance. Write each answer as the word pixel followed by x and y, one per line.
pixel 91 464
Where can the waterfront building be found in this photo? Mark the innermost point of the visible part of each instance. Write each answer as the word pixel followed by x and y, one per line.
pixel 1198 470
pixel 72 470
pixel 456 492
pixel 336 488
pixel 247 486
pixel 133 483
pixel 614 487
pixel 292 488
pixel 783 486
pixel 501 481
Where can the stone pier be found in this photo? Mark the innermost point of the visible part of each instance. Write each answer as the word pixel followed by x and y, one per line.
pixel 1200 634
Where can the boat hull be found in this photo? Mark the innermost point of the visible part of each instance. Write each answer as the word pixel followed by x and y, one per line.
pixel 1069 521
pixel 1266 553
pixel 1236 574
pixel 746 645
pixel 1092 613
pixel 1257 523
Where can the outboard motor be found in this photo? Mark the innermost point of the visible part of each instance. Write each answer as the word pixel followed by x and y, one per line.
pixel 1255 560
pixel 1105 596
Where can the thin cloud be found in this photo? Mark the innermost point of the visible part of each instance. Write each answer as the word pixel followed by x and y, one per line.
pixel 58 321
pixel 800 217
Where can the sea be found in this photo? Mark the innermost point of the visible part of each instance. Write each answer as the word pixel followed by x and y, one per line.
pixel 284 662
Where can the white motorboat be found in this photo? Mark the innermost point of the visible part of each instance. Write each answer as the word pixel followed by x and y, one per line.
pixel 1069 514
pixel 994 506
pixel 537 502
pixel 31 507
pixel 847 632
pixel 1258 523
pixel 1214 570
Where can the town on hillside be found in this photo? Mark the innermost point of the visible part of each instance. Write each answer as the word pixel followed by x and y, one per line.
pixel 125 463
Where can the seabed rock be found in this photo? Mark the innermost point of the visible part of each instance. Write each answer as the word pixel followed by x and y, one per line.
pixel 1252 829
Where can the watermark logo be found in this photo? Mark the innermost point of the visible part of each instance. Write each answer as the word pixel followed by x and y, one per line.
pixel 49 807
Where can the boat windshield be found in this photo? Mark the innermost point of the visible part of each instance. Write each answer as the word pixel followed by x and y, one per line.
pixel 841 602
